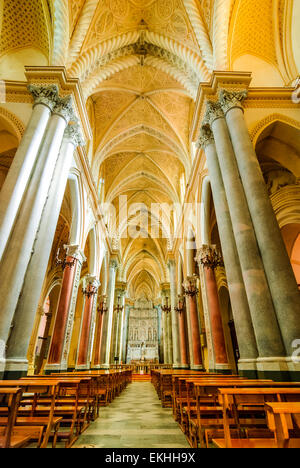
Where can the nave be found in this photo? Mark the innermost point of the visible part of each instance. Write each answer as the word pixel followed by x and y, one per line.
pixel 135 419
pixel 149 213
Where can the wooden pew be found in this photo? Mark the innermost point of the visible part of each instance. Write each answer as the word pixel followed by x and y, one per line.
pixel 285 416
pixel 236 402
pixel 27 418
pixel 66 405
pixel 9 437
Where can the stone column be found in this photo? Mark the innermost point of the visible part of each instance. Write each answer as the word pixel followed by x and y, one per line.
pixel 107 323
pixel 160 334
pixel 121 327
pixel 166 308
pixel 16 362
pixel 281 280
pixel 75 252
pixel 125 334
pixel 240 308
pixel 173 315
pixel 180 309
pixel 210 259
pixel 91 285
pixel 17 255
pixel 266 329
pixel 101 310
pixel 190 291
pixel 24 160
pixel 62 314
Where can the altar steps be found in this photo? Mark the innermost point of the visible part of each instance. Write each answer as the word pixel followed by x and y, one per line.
pixel 141 378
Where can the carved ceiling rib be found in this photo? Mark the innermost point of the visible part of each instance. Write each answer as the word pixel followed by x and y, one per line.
pixel 81 30
pixel 89 59
pixel 61 32
pixel 221 22
pixel 200 32
pixel 104 152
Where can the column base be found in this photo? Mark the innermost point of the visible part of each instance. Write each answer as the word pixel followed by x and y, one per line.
pixel 221 369
pixel 184 366
pixel 2 368
pixel 105 366
pixel 82 367
pixel 53 368
pixel 15 369
pixel 197 367
pixel 279 369
pixel 247 368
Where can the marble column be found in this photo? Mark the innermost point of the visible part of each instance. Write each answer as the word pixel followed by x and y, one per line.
pixel 184 363
pixel 73 251
pixel 91 285
pixel 209 258
pixel 239 303
pixel 62 313
pixel 160 334
pixel 266 329
pixel 121 327
pixel 16 362
pixel 166 309
pixel 279 273
pixel 174 315
pixel 190 291
pixel 125 334
pixel 24 160
pixel 20 246
pixel 101 310
pixel 108 319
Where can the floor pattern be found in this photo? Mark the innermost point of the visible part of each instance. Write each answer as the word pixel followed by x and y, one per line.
pixel 135 419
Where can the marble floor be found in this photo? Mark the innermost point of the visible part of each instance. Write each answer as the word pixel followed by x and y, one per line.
pixel 135 419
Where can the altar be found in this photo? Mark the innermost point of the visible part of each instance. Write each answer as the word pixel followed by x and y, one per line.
pixel 143 333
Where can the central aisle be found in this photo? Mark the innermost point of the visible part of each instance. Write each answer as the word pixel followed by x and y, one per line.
pixel 134 420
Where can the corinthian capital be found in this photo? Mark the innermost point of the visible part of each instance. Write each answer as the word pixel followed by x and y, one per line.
pixel 213 112
pixel 64 108
pixel 206 137
pixel 113 264
pixel 231 99
pixel 74 135
pixel 209 256
pixel 46 95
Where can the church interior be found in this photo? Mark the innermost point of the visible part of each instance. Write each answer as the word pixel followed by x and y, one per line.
pixel 150 223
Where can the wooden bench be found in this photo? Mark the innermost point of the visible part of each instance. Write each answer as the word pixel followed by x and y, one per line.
pixel 10 435
pixel 28 417
pixel 236 402
pixel 66 405
pixel 286 415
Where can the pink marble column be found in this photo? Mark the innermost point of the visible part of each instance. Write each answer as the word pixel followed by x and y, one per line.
pixel 58 337
pixel 191 293
pixel 215 317
pixel 210 258
pixel 183 342
pixel 98 333
pixel 90 291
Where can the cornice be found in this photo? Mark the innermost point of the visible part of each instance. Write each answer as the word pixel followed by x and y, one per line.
pixel 67 86
pixel 258 97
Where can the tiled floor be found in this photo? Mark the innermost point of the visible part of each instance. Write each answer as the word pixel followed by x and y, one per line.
pixel 134 420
